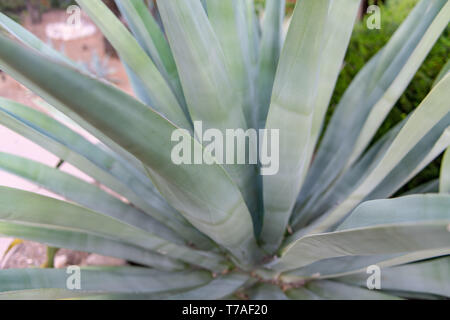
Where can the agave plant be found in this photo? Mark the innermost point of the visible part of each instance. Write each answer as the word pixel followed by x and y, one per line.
pixel 211 231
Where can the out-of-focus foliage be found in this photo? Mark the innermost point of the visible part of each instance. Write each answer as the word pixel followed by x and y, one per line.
pixel 12 5
pixel 16 5
pixel 365 43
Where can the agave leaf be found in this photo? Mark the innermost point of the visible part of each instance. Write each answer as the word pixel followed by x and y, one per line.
pixel 218 288
pixel 83 193
pixel 417 159
pixel 203 66
pixel 61 294
pixel 302 294
pixel 95 162
pixel 364 241
pixel 253 31
pixel 126 296
pixel 195 45
pixel 163 98
pixel 230 25
pixel 444 180
pixel 270 48
pixel 399 210
pixel 151 38
pixel 201 48
pixel 342 266
pixel 333 290
pixel 444 71
pixel 91 243
pixel 423 120
pixel 32 41
pixel 414 295
pixel 346 183
pixel 54 113
pixel 66 216
pixel 42 294
pixel 78 120
pixel 296 91
pixel 338 36
pixel 54 130
pixel 139 88
pixel 380 227
pixel 373 92
pixel 204 194
pixel 421 48
pixel 428 187
pixel 421 155
pixel 305 197
pixel 297 74
pixel 100 280
pixel 266 291
pixel 44 212
pixel 421 277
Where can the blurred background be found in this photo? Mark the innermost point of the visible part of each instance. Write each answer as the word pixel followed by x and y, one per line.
pixel 47 19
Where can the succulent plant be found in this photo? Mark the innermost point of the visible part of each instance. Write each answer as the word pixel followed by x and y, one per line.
pixel 209 231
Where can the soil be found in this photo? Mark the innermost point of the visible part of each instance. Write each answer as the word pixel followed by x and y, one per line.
pixel 30 254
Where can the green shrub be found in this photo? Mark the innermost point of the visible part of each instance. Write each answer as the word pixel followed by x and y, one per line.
pixel 61 4
pixel 12 8
pixel 365 43
pixel 12 5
